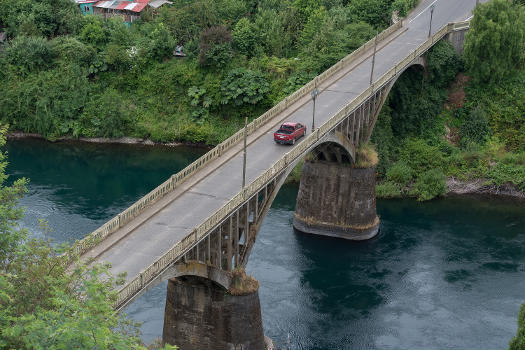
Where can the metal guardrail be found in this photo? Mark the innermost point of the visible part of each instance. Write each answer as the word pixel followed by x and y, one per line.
pixel 83 245
pixel 188 242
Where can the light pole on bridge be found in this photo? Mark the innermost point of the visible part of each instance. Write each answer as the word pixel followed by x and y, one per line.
pixel 373 60
pixel 431 13
pixel 244 153
pixel 314 94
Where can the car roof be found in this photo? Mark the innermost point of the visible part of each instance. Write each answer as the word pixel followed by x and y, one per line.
pixel 289 124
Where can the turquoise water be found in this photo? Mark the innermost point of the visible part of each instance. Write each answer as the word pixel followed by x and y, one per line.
pixel 449 273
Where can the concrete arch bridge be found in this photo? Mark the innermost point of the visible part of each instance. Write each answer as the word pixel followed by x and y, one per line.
pixel 200 223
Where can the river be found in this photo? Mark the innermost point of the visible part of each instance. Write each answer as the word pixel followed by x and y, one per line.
pixel 449 273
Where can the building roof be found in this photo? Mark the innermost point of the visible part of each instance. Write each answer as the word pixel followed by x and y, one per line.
pixel 158 3
pixel 135 6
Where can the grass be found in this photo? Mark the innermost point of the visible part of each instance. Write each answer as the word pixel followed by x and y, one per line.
pixel 242 284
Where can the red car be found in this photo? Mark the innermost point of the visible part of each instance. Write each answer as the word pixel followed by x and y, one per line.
pixel 289 133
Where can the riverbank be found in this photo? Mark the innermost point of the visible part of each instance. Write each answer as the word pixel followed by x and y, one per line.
pixel 104 140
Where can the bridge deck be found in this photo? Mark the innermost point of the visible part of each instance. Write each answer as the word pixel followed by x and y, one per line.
pixel 139 243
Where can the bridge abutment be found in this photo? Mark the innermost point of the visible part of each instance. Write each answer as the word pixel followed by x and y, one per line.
pixel 337 200
pixel 201 314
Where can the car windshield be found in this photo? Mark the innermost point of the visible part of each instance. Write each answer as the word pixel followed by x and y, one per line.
pixel 284 131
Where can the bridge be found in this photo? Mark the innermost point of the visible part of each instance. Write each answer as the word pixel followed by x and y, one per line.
pixel 202 222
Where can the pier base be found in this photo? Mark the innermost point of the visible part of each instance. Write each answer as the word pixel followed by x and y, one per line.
pixel 337 200
pixel 202 315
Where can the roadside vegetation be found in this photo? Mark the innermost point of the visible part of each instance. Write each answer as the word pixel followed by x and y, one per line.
pixel 463 117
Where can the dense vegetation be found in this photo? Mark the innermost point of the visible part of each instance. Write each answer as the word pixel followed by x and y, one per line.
pixel 64 74
pixel 464 116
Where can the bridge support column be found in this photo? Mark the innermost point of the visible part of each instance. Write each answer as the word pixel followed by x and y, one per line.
pixel 201 314
pixel 337 200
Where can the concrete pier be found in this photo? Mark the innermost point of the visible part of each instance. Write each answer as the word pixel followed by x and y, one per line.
pixel 202 315
pixel 337 200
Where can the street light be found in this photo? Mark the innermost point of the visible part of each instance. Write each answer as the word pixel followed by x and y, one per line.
pixel 244 153
pixel 314 94
pixel 373 60
pixel 431 13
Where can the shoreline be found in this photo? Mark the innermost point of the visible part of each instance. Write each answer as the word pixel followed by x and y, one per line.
pixel 125 140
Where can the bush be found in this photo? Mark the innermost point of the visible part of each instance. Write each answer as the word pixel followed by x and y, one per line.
pixel 400 173
pixel 403 6
pixel 215 46
pixel 420 156
pixel 501 174
pixel 243 86
pixel 29 53
pixel 244 38
pixel 518 342
pixel 475 128
pixel 430 185
pixel 388 189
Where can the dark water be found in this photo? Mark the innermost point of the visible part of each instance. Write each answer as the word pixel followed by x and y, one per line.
pixel 445 274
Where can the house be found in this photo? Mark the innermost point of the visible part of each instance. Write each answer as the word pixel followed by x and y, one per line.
pixel 86 6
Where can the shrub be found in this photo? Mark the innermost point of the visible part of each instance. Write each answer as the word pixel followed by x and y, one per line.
pixel 243 86
pixel 29 53
pixel 475 128
pixel 366 156
pixel 215 46
pixel 244 37
pixel 400 173
pixel 518 342
pixel 421 156
pixel 430 185
pixel 403 6
pixel 388 189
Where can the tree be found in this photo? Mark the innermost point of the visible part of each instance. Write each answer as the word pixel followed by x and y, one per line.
pixel 215 46
pixel 41 305
pixel 495 41
pixel 244 38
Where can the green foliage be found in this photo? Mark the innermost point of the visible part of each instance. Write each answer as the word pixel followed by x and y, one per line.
pixel 69 50
pixel 42 18
pixel 495 42
pixel 93 33
pixel 443 64
pixel 296 81
pixel 388 189
pixel 475 128
pixel 244 37
pixel 106 115
pixel 403 6
pixel 420 156
pixel 429 185
pixel 215 47
pixel 502 173
pixel 375 12
pixel 503 106
pixel 243 86
pixel 160 44
pixel 400 173
pixel 518 342
pixel 200 102
pixel 29 53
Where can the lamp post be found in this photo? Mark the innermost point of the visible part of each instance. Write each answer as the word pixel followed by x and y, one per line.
pixel 431 13
pixel 244 153
pixel 314 94
pixel 373 60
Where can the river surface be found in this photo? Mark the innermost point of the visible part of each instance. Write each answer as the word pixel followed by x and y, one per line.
pixel 449 273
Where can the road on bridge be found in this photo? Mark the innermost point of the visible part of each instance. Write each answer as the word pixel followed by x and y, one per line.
pixel 152 233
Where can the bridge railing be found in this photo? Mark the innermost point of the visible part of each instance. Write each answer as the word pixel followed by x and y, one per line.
pixel 85 244
pixel 188 242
